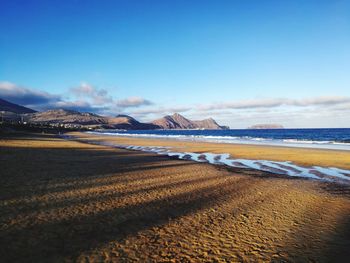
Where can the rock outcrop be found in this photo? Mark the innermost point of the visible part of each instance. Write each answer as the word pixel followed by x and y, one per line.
pixel 128 123
pixel 209 124
pixel 177 121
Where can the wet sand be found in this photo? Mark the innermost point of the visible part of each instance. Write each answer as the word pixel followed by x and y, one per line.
pixel 71 201
pixel 300 156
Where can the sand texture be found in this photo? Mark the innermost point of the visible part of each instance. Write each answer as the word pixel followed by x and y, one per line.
pixel 67 201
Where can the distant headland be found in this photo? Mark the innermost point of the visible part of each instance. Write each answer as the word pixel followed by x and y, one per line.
pixel 266 126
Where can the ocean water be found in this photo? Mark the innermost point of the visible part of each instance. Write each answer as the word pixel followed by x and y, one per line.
pixel 309 138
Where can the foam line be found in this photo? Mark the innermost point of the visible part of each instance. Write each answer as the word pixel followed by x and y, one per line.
pixel 285 168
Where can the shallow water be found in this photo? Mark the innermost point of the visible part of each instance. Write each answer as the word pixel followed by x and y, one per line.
pixel 329 174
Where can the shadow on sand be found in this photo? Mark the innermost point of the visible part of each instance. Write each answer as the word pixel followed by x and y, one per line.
pixel 59 202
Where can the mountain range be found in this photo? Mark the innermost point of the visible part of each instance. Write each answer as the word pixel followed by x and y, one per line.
pixel 62 116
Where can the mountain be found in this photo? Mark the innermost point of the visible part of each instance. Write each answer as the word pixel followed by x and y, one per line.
pixel 12 107
pixel 13 111
pixel 125 122
pixel 266 126
pixel 66 117
pixel 177 121
pixel 128 123
pixel 209 124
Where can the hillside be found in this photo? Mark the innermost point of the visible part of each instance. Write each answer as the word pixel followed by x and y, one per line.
pixel 78 118
pixel 14 108
pixel 71 117
pixel 177 121
pixel 66 117
pixel 210 124
pixel 128 123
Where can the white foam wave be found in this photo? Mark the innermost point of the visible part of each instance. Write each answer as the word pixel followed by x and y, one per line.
pixel 330 174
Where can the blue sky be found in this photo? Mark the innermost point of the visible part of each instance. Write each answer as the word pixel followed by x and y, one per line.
pixel 241 62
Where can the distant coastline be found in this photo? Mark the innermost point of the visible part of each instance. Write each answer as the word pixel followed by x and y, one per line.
pixel 266 126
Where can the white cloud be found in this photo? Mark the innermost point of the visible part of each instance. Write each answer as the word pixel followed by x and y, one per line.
pixel 77 105
pixel 276 102
pixel 95 95
pixel 161 110
pixel 85 97
pixel 133 102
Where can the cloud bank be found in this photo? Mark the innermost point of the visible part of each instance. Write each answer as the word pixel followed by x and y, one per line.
pixel 25 96
pixel 320 111
pixel 97 96
pixel 85 97
pixel 277 102
pixel 133 102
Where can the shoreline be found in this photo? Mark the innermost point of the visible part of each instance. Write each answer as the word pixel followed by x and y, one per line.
pixel 266 158
pixel 322 157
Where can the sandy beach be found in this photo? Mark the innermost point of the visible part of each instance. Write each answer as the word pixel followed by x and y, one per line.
pixel 69 201
pixel 300 156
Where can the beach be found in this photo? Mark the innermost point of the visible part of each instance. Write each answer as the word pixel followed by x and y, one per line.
pixel 301 156
pixel 69 200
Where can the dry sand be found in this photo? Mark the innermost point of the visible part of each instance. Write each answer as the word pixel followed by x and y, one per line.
pixel 69 201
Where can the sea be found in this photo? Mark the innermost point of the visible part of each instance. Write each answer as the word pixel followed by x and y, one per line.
pixel 335 138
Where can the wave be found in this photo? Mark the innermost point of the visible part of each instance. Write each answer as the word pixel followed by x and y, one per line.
pixel 317 142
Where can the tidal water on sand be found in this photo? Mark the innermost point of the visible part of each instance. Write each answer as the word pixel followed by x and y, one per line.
pixel 286 168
